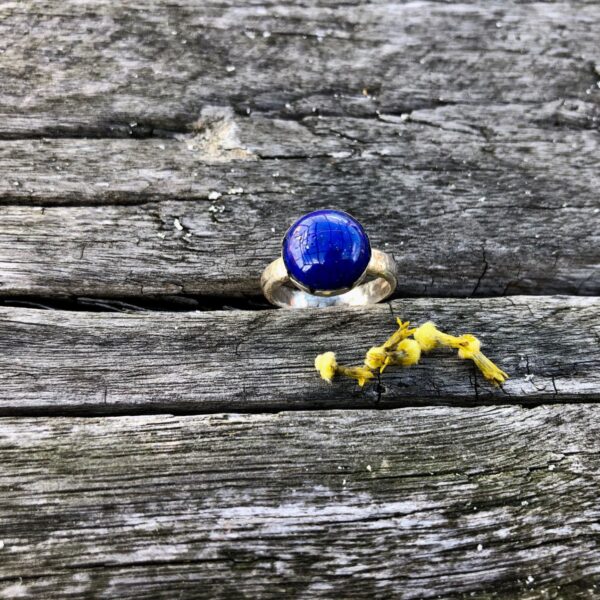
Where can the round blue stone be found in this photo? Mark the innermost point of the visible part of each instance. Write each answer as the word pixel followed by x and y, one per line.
pixel 326 250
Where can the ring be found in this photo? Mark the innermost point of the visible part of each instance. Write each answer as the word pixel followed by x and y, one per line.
pixel 327 260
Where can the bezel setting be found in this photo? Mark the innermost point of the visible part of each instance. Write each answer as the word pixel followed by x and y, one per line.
pixel 324 292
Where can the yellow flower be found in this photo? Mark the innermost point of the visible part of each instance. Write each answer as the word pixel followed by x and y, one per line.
pixel 426 336
pixel 326 365
pixel 470 349
pixel 401 350
pixel 411 351
pixel 361 374
pixel 328 368
pixel 376 357
pixel 429 336
pixel 379 357
pixel 408 354
pixel 402 333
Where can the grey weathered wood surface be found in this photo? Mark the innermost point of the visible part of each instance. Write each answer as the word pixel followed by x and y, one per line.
pixel 479 175
pixel 461 214
pixel 56 361
pixel 160 149
pixel 93 68
pixel 498 502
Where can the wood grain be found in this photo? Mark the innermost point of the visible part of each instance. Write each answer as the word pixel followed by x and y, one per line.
pixel 105 363
pixel 94 68
pixel 472 156
pixel 204 214
pixel 160 149
pixel 413 503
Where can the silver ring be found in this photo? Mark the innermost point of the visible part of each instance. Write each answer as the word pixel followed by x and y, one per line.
pixel 327 260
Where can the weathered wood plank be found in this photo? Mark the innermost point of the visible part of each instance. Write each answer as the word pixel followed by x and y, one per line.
pixel 60 361
pixel 478 123
pixel 459 137
pixel 519 140
pixel 463 213
pixel 413 503
pixel 92 68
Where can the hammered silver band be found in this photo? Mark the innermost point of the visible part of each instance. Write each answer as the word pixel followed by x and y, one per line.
pixel 379 282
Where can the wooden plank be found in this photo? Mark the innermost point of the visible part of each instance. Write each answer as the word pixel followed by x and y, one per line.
pixel 94 67
pixel 531 147
pixel 459 138
pixel 436 502
pixel 463 214
pixel 224 150
pixel 106 363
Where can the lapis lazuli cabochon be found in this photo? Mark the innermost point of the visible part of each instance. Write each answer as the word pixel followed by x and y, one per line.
pixel 326 250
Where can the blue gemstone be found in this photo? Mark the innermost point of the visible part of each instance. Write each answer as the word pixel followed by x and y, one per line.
pixel 326 250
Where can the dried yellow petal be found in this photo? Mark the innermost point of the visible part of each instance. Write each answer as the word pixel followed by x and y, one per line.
pixel 402 333
pixel 470 349
pixel 411 350
pixel 326 365
pixel 361 374
pixel 328 368
pixel 375 358
pixel 427 336
pixel 408 353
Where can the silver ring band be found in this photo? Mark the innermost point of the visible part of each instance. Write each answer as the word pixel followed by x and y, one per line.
pixel 380 281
